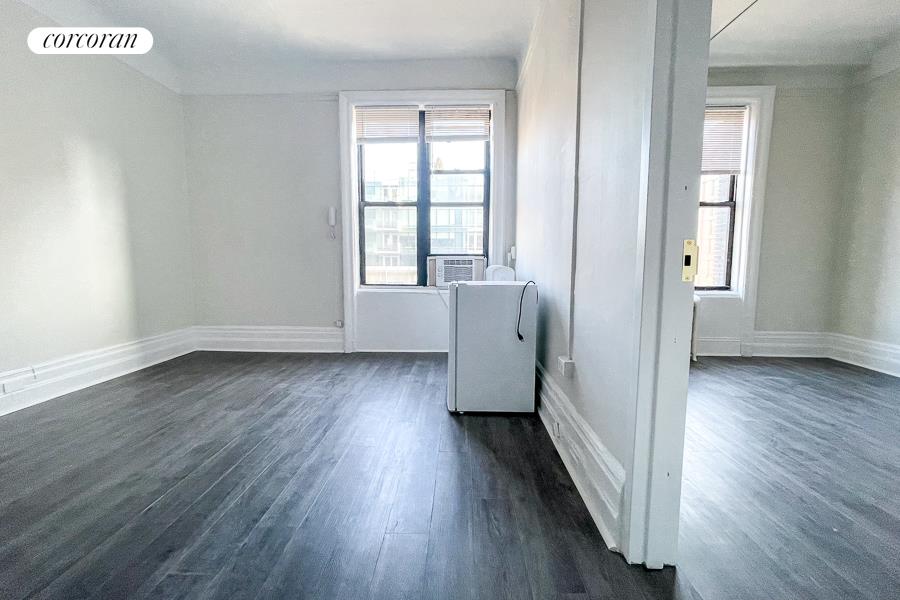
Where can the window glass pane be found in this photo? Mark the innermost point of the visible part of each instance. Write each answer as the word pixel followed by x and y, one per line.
pixel 389 172
pixel 390 245
pixel 457 188
pixel 457 230
pixel 457 156
pixel 715 188
pixel 713 233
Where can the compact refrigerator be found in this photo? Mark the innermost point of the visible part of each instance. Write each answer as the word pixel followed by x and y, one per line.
pixel 490 368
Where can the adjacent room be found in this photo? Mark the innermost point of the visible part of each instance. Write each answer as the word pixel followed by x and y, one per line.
pixel 485 299
pixel 791 464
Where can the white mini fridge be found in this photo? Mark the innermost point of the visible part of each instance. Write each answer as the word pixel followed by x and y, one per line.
pixel 491 364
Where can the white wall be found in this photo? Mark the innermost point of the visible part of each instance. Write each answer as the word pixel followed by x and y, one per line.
pixel 868 273
pixel 94 236
pixel 803 199
pixel 158 211
pixel 545 190
pixel 329 77
pixel 262 172
pixel 607 286
pixel 804 185
pixel 831 214
pixel 597 407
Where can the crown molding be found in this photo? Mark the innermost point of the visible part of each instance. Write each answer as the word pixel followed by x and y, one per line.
pixel 885 60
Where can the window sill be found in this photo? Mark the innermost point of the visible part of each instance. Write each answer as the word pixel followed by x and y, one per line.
pixel 394 289
pixel 718 294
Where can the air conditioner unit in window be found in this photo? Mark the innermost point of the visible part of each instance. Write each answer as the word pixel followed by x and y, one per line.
pixel 442 269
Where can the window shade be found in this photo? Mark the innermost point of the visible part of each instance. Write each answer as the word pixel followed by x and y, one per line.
pixel 723 139
pixel 387 123
pixel 457 122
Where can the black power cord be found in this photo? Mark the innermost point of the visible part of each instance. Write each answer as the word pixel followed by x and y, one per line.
pixel 521 298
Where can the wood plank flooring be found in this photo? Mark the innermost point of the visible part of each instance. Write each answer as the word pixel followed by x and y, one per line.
pixel 791 481
pixel 228 475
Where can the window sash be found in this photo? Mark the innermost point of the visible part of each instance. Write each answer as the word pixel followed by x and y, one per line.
pixel 423 203
pixel 387 123
pixel 731 205
pixel 724 134
pixel 446 123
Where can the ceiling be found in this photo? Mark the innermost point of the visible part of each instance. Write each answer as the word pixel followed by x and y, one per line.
pixel 203 33
pixel 198 34
pixel 196 39
pixel 802 32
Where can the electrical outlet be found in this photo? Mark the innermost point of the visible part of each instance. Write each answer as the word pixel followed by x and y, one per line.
pixel 339 323
pixel 565 365
pixel 18 381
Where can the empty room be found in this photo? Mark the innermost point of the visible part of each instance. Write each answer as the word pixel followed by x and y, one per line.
pixel 525 299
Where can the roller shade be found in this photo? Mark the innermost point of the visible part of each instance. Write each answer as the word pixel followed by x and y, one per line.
pixel 723 139
pixel 380 123
pixel 457 122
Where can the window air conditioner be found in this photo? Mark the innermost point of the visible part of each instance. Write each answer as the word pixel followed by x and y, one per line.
pixel 444 269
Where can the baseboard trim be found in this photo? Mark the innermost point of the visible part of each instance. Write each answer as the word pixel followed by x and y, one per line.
pixel 599 477
pixel 869 354
pixel 877 356
pixel 801 344
pixel 22 388
pixel 269 339
pixel 402 350
pixel 26 387
pixel 718 346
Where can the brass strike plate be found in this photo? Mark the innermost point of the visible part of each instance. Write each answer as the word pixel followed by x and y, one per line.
pixel 689 260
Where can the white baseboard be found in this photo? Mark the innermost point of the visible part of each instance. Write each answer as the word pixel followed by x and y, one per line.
pixel 599 477
pixel 22 388
pixel 403 350
pixel 877 356
pixel 801 344
pixel 718 346
pixel 269 339
pixel 25 387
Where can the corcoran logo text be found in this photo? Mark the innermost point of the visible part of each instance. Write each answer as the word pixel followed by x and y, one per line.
pixel 90 40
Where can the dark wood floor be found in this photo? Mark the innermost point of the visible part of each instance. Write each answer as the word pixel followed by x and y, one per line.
pixel 318 476
pixel 791 481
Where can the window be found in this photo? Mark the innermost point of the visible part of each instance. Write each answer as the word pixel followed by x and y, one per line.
pixel 724 149
pixel 424 188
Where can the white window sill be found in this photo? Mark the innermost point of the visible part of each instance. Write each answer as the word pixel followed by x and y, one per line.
pixel 405 289
pixel 718 294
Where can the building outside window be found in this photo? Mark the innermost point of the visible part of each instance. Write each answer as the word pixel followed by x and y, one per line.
pixel 722 174
pixel 424 187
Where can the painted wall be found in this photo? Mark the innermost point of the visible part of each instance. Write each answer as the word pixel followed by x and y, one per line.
pixel 603 387
pixel 329 77
pixel 831 206
pixel 262 172
pixel 616 74
pixel 94 237
pixel 803 199
pixel 622 170
pixel 804 185
pixel 868 277
pixel 545 189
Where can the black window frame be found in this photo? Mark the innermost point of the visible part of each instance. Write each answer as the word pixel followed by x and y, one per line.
pixel 423 206
pixel 731 204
